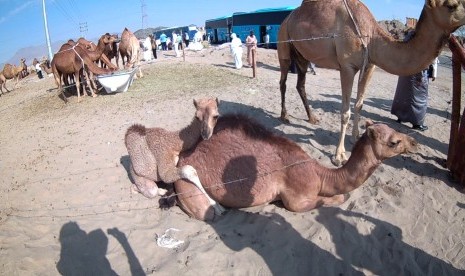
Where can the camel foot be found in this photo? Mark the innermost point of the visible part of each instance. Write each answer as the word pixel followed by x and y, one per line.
pixel 285 118
pixel 313 120
pixel 339 161
pixel 219 210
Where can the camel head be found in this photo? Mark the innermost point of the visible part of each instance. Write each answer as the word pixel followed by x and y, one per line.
pixel 386 142
pixel 107 38
pixel 447 14
pixel 207 114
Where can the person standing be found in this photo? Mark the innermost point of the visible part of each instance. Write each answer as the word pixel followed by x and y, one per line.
pixel 411 98
pixel 153 42
pixel 236 50
pixel 266 39
pixel 186 39
pixel 163 39
pixel 175 42
pixel 251 43
pixel 147 51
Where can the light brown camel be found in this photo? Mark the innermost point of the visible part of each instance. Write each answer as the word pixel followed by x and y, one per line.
pixel 70 60
pixel 244 164
pixel 129 48
pixel 11 72
pixel 154 152
pixel 344 35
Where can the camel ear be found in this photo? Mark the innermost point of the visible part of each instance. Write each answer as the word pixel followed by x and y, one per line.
pixel 368 123
pixel 430 3
pixel 196 103
pixel 217 101
pixel 371 133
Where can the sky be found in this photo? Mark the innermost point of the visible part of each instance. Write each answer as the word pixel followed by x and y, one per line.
pixel 22 21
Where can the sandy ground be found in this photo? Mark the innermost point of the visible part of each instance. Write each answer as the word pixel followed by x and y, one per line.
pixel 66 206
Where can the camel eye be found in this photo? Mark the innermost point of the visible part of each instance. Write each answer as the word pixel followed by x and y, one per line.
pixel 451 7
pixel 215 117
pixel 393 144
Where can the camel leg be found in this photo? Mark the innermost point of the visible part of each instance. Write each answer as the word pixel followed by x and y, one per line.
pixel 90 82
pixel 362 85
pixel 145 186
pixel 347 81
pixel 188 172
pixel 305 204
pixel 284 65
pixel 302 68
pixel 78 84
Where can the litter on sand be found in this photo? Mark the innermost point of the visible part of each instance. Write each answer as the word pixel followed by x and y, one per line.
pixel 167 240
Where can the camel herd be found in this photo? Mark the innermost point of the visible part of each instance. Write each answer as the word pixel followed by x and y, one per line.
pixel 77 62
pixel 243 164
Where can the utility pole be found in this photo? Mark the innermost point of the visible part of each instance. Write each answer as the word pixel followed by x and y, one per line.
pixel 83 28
pixel 47 36
pixel 144 15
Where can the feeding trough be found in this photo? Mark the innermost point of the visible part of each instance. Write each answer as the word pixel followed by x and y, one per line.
pixel 117 81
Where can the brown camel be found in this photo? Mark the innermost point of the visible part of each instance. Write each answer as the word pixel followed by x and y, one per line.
pixel 344 35
pixel 154 152
pixel 111 51
pixel 11 71
pixel 243 165
pixel 70 60
pixel 129 48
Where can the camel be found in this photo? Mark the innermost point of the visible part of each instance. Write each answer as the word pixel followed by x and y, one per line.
pixel 11 71
pixel 344 35
pixel 244 164
pixel 154 152
pixel 129 47
pixel 111 51
pixel 70 60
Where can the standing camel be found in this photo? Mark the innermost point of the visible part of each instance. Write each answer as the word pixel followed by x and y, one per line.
pixel 129 47
pixel 344 35
pixel 11 72
pixel 71 60
pixel 154 152
pixel 244 164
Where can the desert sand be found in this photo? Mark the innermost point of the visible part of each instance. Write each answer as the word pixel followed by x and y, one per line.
pixel 66 206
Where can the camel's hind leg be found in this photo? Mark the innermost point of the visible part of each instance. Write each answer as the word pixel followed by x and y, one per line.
pixel 145 186
pixel 302 68
pixel 362 85
pixel 188 172
pixel 305 204
pixel 284 65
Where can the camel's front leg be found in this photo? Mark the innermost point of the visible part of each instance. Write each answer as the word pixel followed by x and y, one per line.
pixel 362 85
pixel 305 204
pixel 188 172
pixel 347 81
pixel 302 68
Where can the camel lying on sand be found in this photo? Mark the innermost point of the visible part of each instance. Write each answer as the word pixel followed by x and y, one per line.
pixel 70 60
pixel 129 48
pixel 154 152
pixel 344 35
pixel 243 165
pixel 11 71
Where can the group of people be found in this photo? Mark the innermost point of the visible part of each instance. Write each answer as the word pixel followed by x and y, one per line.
pixel 236 49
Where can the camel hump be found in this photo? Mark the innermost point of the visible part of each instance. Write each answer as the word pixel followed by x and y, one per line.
pixel 136 129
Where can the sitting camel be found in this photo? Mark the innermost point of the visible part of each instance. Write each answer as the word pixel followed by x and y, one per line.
pixel 243 165
pixel 344 35
pixel 70 60
pixel 129 47
pixel 154 152
pixel 11 71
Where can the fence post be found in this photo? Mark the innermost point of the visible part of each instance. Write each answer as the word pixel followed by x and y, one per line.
pixel 254 65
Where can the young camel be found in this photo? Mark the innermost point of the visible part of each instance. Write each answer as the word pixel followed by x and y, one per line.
pixel 154 152
pixel 344 35
pixel 243 164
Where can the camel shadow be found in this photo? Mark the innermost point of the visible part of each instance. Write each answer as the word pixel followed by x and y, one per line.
pixel 85 253
pixel 461 205
pixel 382 251
pixel 282 248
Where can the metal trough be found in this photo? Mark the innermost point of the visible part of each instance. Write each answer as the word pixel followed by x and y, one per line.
pixel 117 81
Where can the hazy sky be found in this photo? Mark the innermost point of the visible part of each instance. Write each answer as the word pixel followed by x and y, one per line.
pixel 22 24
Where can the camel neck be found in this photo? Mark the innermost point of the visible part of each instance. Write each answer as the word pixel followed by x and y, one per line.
pixel 361 164
pixel 190 135
pixel 407 58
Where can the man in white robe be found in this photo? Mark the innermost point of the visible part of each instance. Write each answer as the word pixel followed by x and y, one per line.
pixel 236 50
